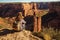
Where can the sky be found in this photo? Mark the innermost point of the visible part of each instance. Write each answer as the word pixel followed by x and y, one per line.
pixel 29 0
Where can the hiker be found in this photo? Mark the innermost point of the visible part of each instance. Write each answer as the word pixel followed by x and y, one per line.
pixel 20 22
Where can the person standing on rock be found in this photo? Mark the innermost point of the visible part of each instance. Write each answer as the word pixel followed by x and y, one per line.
pixel 20 22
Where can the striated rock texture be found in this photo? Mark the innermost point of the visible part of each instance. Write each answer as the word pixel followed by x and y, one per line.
pixel 11 9
pixel 23 35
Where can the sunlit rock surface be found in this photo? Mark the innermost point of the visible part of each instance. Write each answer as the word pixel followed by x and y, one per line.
pixel 22 35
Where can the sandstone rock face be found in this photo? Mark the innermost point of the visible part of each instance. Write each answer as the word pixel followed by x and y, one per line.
pixel 10 11
pixel 23 35
pixel 28 8
pixel 4 24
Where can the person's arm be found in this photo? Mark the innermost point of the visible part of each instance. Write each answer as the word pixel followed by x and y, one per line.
pixel 23 21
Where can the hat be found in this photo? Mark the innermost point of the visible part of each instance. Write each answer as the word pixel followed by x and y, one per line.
pixel 20 15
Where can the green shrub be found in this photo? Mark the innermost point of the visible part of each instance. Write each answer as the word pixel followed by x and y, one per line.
pixel 0 26
pixel 48 34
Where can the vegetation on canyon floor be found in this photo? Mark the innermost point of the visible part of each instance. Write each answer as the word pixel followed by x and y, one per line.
pixel 48 34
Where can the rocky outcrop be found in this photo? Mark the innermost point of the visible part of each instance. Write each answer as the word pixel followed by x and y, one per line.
pixel 23 35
